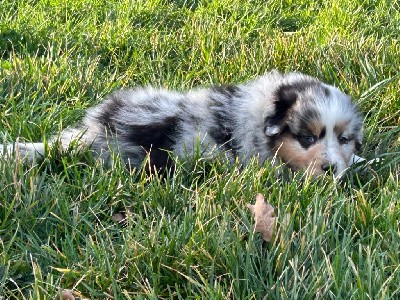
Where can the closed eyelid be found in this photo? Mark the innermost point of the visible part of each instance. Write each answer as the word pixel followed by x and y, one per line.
pixel 347 136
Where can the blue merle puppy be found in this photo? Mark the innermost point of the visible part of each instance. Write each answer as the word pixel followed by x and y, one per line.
pixel 298 119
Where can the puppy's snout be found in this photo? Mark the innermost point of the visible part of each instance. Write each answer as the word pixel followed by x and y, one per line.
pixel 329 167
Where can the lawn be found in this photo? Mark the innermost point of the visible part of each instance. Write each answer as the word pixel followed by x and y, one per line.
pixel 189 235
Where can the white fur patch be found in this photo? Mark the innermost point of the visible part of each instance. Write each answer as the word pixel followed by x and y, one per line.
pixel 272 130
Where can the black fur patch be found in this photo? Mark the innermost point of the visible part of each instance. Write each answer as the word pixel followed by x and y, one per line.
pixel 222 135
pixel 302 85
pixel 306 140
pixel 222 131
pixel 156 139
pixel 110 109
pixel 323 133
pixel 286 96
pixel 358 146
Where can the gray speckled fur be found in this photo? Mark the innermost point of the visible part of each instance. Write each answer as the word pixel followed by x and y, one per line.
pixel 231 119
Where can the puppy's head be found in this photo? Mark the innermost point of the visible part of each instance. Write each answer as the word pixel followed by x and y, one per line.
pixel 315 127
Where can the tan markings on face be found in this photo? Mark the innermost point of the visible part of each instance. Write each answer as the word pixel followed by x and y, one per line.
pixel 341 127
pixel 346 151
pixel 298 158
pixel 315 127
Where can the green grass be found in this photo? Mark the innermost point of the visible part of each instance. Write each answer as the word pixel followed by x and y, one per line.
pixel 189 236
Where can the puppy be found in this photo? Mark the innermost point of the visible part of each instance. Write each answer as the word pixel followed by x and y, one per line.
pixel 298 119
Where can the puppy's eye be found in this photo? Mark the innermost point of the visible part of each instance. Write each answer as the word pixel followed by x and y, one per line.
pixel 343 140
pixel 306 140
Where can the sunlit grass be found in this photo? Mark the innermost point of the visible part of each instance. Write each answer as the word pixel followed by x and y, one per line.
pixel 189 236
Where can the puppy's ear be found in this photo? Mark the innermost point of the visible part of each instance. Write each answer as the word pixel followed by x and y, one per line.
pixel 286 96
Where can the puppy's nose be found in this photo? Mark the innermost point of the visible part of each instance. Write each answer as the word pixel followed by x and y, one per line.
pixel 329 167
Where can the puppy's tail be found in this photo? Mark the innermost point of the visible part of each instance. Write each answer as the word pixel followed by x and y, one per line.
pixel 29 152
